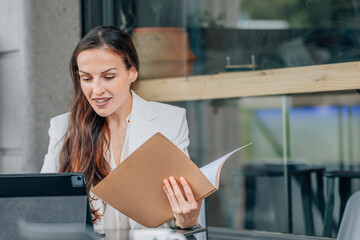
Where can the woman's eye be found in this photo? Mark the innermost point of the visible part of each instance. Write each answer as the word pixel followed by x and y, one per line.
pixel 109 77
pixel 85 78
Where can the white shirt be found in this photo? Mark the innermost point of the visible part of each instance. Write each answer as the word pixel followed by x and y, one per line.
pixel 113 219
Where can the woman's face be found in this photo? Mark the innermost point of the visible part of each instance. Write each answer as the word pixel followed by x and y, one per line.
pixel 105 81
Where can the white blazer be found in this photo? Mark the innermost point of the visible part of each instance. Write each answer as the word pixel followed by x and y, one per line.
pixel 146 119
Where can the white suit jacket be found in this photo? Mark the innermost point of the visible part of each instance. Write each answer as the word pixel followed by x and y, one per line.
pixel 146 119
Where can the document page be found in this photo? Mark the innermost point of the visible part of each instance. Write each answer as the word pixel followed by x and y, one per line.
pixel 213 169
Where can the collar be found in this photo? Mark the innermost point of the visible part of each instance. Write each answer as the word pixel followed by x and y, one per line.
pixel 143 124
pixel 141 107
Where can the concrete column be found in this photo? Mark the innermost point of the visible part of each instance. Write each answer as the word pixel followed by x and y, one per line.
pixel 36 42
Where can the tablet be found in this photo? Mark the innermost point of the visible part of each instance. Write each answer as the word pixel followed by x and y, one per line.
pixel 56 198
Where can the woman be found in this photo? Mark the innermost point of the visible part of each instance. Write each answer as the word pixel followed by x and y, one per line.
pixel 108 121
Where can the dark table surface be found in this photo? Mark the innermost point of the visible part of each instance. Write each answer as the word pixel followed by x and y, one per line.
pixel 124 234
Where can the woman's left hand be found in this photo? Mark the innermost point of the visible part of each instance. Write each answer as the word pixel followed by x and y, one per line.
pixel 185 208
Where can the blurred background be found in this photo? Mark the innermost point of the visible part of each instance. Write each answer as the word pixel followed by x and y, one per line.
pixel 263 187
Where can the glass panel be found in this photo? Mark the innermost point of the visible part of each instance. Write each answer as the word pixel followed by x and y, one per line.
pixel 245 35
pixel 213 36
pixel 251 194
pixel 161 24
pixel 238 35
pixel 324 133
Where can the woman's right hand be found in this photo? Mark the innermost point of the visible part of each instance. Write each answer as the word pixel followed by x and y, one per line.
pixel 185 208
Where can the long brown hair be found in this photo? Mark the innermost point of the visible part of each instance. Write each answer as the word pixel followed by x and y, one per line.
pixel 88 135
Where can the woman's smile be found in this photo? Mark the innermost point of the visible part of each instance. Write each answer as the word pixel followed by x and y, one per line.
pixel 101 102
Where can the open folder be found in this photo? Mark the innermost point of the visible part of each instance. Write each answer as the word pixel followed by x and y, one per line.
pixel 135 187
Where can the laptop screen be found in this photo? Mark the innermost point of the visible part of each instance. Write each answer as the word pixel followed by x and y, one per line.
pixel 42 198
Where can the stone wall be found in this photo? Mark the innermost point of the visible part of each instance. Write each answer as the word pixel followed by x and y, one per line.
pixel 36 41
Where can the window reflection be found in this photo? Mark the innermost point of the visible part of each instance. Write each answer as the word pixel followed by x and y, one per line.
pixel 324 130
pixel 247 35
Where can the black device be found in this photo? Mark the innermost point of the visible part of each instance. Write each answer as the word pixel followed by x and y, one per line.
pixel 57 198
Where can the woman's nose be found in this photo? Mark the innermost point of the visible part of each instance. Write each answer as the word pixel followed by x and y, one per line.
pixel 98 88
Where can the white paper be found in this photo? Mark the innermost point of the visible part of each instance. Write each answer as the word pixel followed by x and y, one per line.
pixel 212 170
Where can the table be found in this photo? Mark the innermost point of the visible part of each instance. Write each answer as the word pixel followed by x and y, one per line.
pixel 124 234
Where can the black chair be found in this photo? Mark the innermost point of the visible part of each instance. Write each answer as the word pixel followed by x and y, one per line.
pixel 300 172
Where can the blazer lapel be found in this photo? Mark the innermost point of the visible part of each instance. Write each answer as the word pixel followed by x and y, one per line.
pixel 142 127
pixel 142 123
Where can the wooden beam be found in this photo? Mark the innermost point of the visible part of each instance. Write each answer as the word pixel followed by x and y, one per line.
pixel 315 78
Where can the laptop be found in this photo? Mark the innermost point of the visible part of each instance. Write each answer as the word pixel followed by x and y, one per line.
pixel 56 198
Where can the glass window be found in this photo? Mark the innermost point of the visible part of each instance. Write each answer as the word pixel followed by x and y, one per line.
pixel 324 133
pixel 261 189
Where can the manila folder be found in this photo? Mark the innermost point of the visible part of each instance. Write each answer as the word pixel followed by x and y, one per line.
pixel 135 187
